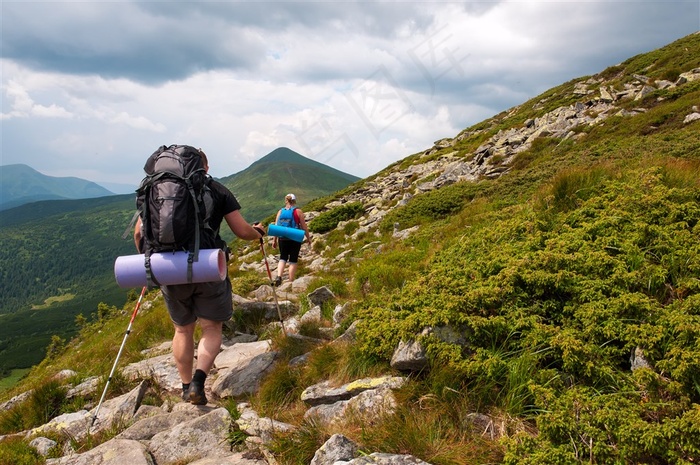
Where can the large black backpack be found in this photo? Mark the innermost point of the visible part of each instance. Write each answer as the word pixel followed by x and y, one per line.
pixel 174 201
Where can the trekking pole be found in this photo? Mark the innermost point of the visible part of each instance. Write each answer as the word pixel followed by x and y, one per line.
pixel 274 293
pixel 111 373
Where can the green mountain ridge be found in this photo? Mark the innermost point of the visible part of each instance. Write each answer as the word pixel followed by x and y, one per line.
pixel 20 185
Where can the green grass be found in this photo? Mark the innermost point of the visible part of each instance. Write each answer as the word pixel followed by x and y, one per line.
pixel 52 300
pixel 14 377
pixel 15 451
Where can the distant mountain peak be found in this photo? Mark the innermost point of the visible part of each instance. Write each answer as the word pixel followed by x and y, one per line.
pixel 284 155
pixel 261 187
pixel 21 184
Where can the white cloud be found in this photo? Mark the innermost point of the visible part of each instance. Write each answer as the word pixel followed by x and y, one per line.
pixel 52 111
pixel 23 106
pixel 137 122
pixel 95 87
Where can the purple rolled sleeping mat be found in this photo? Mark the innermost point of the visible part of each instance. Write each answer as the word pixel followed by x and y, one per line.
pixel 170 268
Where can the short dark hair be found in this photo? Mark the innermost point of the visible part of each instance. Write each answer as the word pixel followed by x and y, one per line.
pixel 204 157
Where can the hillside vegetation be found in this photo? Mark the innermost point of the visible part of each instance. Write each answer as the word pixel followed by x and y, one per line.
pixel 56 262
pixel 558 276
pixel 559 300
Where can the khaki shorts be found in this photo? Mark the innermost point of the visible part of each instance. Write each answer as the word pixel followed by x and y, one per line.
pixel 210 301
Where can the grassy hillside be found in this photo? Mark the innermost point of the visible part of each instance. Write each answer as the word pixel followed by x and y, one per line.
pixel 556 275
pixel 552 282
pixel 56 261
pixel 53 247
pixel 558 304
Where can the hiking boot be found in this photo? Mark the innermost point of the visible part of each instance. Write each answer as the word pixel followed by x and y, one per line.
pixel 278 281
pixel 186 394
pixel 196 394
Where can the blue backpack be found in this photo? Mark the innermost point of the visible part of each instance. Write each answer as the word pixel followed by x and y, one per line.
pixel 288 218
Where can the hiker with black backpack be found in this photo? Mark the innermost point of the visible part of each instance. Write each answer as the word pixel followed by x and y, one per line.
pixel 181 208
pixel 289 216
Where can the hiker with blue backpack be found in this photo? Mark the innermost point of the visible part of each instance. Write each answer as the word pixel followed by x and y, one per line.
pixel 181 208
pixel 289 216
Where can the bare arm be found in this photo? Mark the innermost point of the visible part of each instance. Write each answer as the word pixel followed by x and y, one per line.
pixel 274 238
pixel 302 223
pixel 137 234
pixel 240 226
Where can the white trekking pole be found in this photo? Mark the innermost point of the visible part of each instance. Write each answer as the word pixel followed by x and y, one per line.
pixel 111 373
pixel 274 292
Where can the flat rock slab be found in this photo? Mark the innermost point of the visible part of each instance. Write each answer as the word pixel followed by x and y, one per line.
pixel 113 452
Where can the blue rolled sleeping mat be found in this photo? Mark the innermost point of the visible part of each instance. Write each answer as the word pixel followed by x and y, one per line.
pixel 288 233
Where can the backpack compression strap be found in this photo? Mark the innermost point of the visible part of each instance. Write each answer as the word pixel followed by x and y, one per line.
pixel 193 256
pixel 150 279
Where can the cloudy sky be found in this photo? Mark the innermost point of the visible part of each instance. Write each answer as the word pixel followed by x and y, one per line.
pixel 91 88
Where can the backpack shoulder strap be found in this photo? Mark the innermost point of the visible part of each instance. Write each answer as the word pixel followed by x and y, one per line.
pixel 131 223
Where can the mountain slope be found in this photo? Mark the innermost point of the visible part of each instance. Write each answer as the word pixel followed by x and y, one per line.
pixel 56 261
pixel 261 188
pixel 20 184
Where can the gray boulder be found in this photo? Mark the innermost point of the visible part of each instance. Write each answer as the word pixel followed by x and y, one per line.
pixel 244 378
pixel 204 436
pixel 113 452
pixel 337 448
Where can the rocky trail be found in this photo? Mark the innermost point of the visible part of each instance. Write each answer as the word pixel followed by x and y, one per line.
pixel 177 432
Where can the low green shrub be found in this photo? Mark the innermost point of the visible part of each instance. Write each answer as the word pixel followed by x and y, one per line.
pixel 242 283
pixel 16 451
pixel 552 298
pixel 431 206
pixel 328 220
pixel 388 271
pixel 336 284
